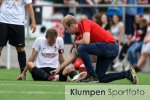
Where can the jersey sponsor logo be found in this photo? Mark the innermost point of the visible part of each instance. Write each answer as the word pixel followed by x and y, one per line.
pixel 49 55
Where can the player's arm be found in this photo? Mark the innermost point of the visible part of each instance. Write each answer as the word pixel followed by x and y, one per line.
pixel 31 59
pixel 85 40
pixel 32 16
pixel 1 1
pixel 68 61
pixel 61 56
pixel 90 2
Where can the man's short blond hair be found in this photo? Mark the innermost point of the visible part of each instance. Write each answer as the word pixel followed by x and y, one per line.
pixel 68 20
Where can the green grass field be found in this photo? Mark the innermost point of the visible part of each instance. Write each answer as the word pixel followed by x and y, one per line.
pixel 11 89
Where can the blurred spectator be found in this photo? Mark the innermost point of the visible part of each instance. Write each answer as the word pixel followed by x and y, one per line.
pixel 143 1
pixel 115 10
pixel 136 47
pixel 103 9
pixel 117 28
pixel 145 51
pixel 130 15
pixel 129 41
pixel 97 18
pixel 138 19
pixel 68 10
pixel 104 1
pixel 105 22
pixel 88 11
pixel 140 10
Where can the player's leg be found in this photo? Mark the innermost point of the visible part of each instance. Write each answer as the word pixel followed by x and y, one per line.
pixel 101 69
pixel 102 66
pixel 83 51
pixel 70 71
pixel 98 49
pixel 21 58
pixel 3 35
pixel 108 51
pixel 40 74
pixel 17 39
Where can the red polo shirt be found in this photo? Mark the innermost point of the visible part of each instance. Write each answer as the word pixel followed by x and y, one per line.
pixel 97 33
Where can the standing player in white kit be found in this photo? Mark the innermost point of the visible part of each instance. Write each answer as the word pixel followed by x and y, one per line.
pixel 12 17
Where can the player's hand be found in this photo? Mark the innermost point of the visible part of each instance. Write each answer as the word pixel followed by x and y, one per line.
pixel 21 77
pixel 75 47
pixel 33 27
pixel 56 71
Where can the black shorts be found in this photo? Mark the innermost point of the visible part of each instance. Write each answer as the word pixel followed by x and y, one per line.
pixel 15 34
pixel 42 74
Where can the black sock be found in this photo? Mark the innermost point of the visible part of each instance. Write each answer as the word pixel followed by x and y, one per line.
pixel 72 74
pixel 0 54
pixel 22 60
pixel 137 69
pixel 62 77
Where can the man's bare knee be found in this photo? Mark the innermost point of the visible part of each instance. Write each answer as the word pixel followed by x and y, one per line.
pixel 19 49
pixel 67 70
pixel 30 65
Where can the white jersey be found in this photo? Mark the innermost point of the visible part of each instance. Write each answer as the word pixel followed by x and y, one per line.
pixel 13 11
pixel 48 56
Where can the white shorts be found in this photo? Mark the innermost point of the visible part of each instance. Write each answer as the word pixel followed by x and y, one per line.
pixel 146 48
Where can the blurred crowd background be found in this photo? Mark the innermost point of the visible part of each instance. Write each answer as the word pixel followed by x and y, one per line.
pixel 129 25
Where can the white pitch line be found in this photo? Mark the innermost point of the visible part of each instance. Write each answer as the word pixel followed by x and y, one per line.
pixel 30 92
pixel 34 85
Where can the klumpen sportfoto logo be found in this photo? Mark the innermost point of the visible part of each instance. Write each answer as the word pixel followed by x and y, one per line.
pixel 108 92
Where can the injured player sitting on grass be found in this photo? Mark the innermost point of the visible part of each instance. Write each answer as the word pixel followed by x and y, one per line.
pixel 48 54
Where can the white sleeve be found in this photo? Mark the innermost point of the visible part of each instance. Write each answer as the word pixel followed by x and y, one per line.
pixel 28 1
pixel 121 24
pixel 36 44
pixel 61 43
